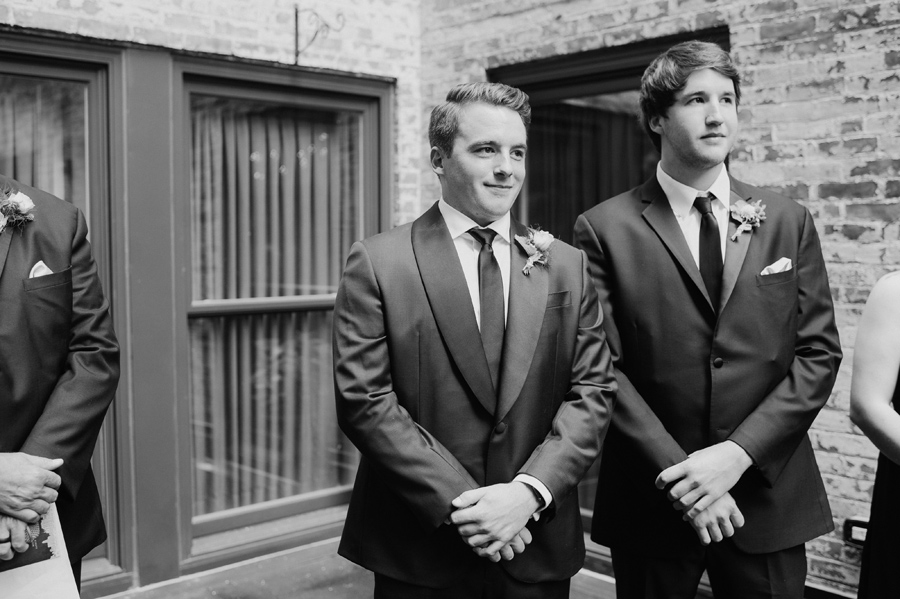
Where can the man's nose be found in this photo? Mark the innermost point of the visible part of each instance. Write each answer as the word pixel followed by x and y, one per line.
pixel 713 114
pixel 503 165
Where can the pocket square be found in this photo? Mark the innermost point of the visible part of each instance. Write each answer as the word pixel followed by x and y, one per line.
pixel 39 270
pixel 780 265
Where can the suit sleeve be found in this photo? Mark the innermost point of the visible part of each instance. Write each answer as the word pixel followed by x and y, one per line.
pixel 421 471
pixel 774 430
pixel 71 420
pixel 580 424
pixel 633 418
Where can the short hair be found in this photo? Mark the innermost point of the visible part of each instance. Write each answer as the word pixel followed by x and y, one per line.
pixel 444 123
pixel 668 74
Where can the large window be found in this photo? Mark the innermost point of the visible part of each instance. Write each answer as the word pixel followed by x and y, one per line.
pixel 275 206
pixel 54 128
pixel 280 180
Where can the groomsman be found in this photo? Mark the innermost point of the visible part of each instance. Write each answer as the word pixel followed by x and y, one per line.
pixel 472 372
pixel 719 316
pixel 59 367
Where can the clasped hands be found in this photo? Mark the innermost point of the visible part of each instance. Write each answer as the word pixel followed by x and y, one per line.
pixel 700 488
pixel 28 486
pixel 491 520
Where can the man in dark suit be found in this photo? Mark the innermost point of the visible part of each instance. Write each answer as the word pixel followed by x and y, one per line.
pixel 59 367
pixel 472 373
pixel 720 320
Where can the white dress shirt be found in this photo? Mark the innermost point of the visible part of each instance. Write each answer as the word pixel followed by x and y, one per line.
pixel 467 247
pixel 681 199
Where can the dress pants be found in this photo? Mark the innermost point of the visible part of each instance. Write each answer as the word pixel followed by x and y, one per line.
pixel 491 582
pixel 733 574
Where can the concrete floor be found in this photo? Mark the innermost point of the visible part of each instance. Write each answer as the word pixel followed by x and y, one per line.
pixel 309 572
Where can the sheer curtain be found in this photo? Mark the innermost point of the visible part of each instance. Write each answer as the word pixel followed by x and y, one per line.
pixel 578 156
pixel 275 207
pixel 44 141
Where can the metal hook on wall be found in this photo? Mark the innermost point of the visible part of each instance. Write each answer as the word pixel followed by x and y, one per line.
pixel 319 25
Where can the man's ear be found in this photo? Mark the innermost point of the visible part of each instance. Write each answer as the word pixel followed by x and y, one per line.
pixel 437 160
pixel 655 125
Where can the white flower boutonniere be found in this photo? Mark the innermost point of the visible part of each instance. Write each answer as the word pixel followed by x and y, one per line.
pixel 15 210
pixel 537 246
pixel 748 215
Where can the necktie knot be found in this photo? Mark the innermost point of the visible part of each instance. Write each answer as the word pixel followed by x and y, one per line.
pixel 485 236
pixel 703 203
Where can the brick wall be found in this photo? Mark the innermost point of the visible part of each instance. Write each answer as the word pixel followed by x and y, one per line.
pixel 821 124
pixel 820 119
pixel 379 37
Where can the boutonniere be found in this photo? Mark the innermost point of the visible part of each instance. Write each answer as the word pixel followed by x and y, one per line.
pixel 748 215
pixel 15 210
pixel 537 246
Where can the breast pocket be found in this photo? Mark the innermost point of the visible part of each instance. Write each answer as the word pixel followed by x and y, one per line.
pixel 558 299
pixel 52 280
pixel 48 306
pixel 776 278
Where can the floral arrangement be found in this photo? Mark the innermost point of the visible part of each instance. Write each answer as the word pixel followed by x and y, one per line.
pixel 537 246
pixel 748 215
pixel 16 210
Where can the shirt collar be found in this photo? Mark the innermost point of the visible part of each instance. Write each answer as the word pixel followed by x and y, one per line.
pixel 459 224
pixel 681 197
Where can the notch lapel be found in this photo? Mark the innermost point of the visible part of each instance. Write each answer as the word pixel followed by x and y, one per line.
pixel 5 240
pixel 451 305
pixel 525 318
pixel 661 219
pixel 735 253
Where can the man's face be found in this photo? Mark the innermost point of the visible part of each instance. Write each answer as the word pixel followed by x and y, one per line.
pixel 699 129
pixel 484 173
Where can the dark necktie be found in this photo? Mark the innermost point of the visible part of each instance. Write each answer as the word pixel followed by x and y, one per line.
pixel 490 285
pixel 710 249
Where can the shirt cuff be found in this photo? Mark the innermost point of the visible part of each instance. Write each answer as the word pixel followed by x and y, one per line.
pixel 540 487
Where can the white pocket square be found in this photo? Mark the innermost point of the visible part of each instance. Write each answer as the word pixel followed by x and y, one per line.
pixel 780 265
pixel 39 270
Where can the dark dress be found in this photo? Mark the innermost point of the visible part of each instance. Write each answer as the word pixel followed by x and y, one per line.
pixel 881 555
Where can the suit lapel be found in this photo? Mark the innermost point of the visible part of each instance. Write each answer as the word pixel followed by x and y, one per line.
pixel 5 240
pixel 6 189
pixel 660 217
pixel 735 252
pixel 448 295
pixel 524 320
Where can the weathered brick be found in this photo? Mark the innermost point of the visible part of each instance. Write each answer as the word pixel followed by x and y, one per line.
pixel 787 30
pixel 892 189
pixel 865 189
pixel 857 19
pixel 887 212
pixel 883 166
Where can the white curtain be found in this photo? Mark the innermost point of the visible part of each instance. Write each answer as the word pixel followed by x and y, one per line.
pixel 43 135
pixel 274 210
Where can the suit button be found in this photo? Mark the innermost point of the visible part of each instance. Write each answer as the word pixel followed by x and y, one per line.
pixel 500 428
pixel 718 362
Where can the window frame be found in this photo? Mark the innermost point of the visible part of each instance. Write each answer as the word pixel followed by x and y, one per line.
pixel 101 70
pixel 372 99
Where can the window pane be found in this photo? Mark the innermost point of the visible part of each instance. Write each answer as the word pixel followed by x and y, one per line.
pixel 264 422
pixel 275 198
pixel 583 151
pixel 44 139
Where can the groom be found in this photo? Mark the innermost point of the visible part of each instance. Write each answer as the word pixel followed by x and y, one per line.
pixel 472 373
pixel 719 315
pixel 59 367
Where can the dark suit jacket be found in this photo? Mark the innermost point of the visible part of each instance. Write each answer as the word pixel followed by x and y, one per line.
pixel 59 360
pixel 414 394
pixel 758 374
